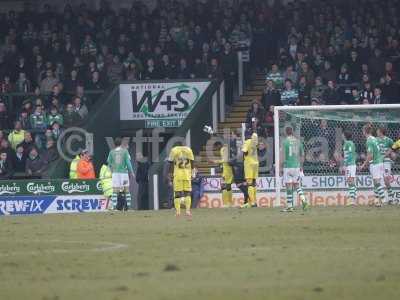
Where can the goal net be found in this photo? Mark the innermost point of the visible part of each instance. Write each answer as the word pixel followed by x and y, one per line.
pixel 320 130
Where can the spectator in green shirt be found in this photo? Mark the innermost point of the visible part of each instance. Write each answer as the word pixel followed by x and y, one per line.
pixel 39 124
pixel 289 95
pixel 56 130
pixel 55 116
pixel 276 76
pixel 38 119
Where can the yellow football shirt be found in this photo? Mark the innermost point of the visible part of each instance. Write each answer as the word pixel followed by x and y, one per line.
pixel 251 147
pixel 396 145
pixel 181 156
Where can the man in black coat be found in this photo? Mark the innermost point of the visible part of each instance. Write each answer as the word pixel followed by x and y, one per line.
pixel 19 160
pixel 6 170
pixel 142 179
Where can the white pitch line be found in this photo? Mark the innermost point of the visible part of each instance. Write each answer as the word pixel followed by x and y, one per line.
pixel 101 247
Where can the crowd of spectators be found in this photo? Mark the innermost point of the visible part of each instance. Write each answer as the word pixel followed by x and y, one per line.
pixel 55 56
pixel 326 53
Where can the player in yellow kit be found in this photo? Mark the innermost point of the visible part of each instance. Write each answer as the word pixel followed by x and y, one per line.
pixel 250 153
pixel 227 174
pixel 396 145
pixel 181 161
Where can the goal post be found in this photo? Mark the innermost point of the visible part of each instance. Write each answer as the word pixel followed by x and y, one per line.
pixel 320 129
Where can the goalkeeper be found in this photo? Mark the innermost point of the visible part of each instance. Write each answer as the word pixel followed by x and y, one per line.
pixel 292 161
pixel 227 174
pixel 232 168
pixel 119 162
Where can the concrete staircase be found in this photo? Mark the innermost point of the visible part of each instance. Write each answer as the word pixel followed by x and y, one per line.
pixel 234 119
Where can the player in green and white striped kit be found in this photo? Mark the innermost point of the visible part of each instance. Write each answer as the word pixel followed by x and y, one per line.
pixel 349 163
pixel 385 145
pixel 119 161
pixel 292 160
pixel 375 161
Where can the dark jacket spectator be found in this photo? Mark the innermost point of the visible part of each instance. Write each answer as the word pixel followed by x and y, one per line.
pixel 331 95
pixel 344 76
pixel 304 91
pixel 271 95
pixel 256 112
pixel 376 64
pixel 19 160
pixel 354 97
pixel 183 71
pixel 228 61
pixel 4 117
pixel 142 179
pixel 28 143
pixel 307 72
pixel 167 69
pixel 390 90
pixel 151 71
pixel 328 73
pixel 214 70
pixel 197 188
pixel 378 98
pixel 50 153
pixel 95 83
pixel 318 89
pixel 72 81
pixel 24 119
pixel 6 147
pixel 6 170
pixel 367 92
pixel 132 72
pixel 354 65
pixel 71 117
pixel 199 69
pixel 35 165
pixel 269 121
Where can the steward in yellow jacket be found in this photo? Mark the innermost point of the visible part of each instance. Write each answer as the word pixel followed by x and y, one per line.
pixel 73 167
pixel 106 180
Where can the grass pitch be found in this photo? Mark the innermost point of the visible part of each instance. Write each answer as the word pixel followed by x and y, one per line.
pixel 327 253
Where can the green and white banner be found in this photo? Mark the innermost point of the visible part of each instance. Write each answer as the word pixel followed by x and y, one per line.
pixel 159 104
pixel 50 187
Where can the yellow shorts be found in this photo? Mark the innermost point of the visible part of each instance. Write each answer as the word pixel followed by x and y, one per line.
pixel 182 185
pixel 250 170
pixel 227 173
